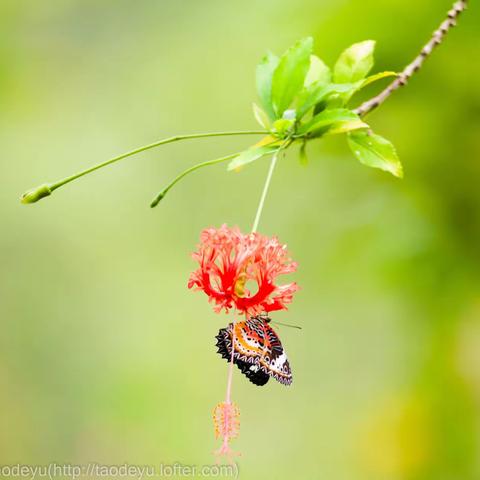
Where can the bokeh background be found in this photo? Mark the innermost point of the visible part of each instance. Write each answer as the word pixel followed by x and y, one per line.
pixel 105 356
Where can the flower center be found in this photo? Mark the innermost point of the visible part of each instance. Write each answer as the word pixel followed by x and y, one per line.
pixel 239 287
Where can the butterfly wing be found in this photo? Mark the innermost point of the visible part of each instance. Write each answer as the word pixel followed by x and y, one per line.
pixel 274 360
pixel 258 352
pixel 250 369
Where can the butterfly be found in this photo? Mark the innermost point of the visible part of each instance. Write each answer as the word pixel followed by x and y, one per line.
pixel 258 352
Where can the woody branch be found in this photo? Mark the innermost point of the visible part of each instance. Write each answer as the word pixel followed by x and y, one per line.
pixel 414 66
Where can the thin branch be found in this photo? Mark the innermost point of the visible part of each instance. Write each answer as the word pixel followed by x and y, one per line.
pixel 410 69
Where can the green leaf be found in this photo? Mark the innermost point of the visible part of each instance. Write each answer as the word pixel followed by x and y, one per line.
pixel 346 126
pixel 290 74
pixel 264 75
pixel 261 117
pixel 282 125
pixel 252 154
pixel 327 119
pixel 318 92
pixel 336 100
pixel 354 63
pixel 375 151
pixel 318 72
pixel 303 154
pixel 357 86
pixel 376 77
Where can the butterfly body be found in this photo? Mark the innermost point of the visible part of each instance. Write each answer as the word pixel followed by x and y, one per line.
pixel 258 352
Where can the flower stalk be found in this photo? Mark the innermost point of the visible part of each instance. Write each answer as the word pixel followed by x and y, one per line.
pixel 35 194
pixel 162 194
pixel 268 180
pixel 273 163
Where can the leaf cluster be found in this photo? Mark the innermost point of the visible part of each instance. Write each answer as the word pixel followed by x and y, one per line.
pixel 302 99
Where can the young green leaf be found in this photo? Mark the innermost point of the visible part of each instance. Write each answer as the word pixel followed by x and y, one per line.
pixel 357 86
pixel 282 126
pixel 252 154
pixel 303 154
pixel 327 119
pixel 264 74
pixel 336 100
pixel 317 93
pixel 261 117
pixel 376 77
pixel 375 151
pixel 354 63
pixel 346 126
pixel 318 72
pixel 290 74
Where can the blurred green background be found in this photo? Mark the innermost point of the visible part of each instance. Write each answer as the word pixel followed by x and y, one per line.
pixel 105 356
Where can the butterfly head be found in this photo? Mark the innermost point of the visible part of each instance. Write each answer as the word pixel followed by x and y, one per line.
pixel 262 316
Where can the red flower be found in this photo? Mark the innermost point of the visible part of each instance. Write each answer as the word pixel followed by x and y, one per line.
pixel 238 271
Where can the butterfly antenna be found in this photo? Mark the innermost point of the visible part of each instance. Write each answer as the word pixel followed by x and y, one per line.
pixel 287 325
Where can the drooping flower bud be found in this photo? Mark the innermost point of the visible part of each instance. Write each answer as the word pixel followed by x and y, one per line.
pixel 36 194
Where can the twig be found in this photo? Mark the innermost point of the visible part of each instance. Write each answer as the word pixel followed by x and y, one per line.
pixel 410 69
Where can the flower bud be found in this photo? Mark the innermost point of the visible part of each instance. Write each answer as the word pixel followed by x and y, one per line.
pixel 158 199
pixel 36 194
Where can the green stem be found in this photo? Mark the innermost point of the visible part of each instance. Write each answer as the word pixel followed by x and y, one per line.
pixel 273 162
pixel 42 191
pixel 266 186
pixel 160 196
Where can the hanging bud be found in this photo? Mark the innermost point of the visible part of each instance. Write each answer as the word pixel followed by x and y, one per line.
pixel 36 194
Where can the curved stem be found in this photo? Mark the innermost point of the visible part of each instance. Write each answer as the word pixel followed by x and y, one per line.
pixel 150 146
pixel 402 79
pixel 36 194
pixel 162 194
